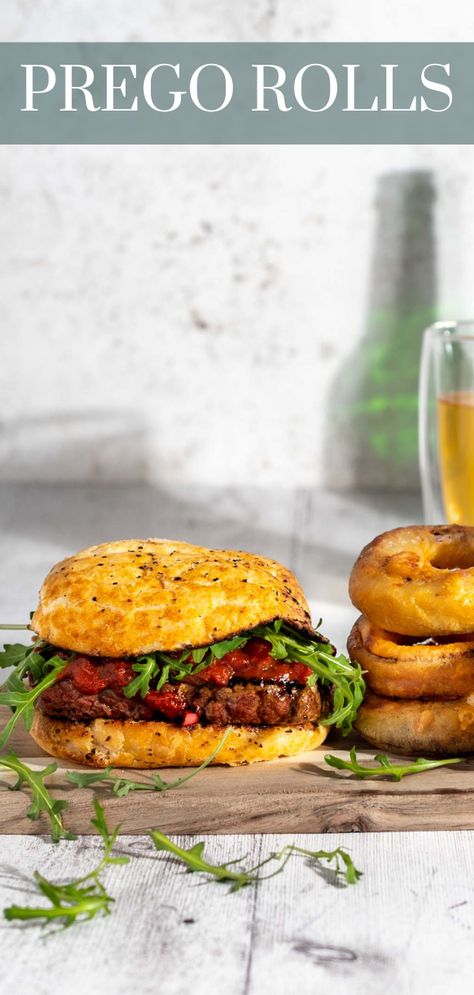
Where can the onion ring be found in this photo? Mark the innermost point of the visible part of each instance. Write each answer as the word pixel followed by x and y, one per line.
pixel 397 667
pixel 418 580
pixel 440 728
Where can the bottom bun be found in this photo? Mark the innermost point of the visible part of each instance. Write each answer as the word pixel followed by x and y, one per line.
pixel 111 742
pixel 418 726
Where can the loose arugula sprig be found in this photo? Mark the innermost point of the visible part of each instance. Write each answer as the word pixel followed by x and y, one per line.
pixel 123 785
pixel 195 861
pixel 38 661
pixel 343 864
pixel 81 899
pixel 386 768
pixel 42 800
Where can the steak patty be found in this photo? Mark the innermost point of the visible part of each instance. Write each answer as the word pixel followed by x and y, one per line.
pixel 242 704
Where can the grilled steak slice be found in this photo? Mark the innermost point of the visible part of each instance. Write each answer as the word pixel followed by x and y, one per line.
pixel 266 705
pixel 64 700
pixel 242 704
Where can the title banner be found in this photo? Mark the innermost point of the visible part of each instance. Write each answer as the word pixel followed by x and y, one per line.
pixel 227 94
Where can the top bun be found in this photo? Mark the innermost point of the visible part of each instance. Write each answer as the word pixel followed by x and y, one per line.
pixel 140 595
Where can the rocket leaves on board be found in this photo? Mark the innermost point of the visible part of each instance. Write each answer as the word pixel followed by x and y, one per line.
pixel 42 800
pixel 385 766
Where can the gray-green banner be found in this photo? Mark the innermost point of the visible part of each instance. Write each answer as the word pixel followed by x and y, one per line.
pixel 310 94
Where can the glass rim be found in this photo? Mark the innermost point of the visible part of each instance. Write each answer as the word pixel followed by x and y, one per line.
pixel 446 329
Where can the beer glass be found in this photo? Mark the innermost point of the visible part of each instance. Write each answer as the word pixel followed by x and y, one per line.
pixel 446 422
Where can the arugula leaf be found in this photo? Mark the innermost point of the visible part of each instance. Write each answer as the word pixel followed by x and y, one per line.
pixel 386 768
pixel 42 801
pixel 344 865
pixel 196 862
pixel 146 669
pixel 218 650
pixel 199 654
pixel 109 838
pixel 19 697
pixel 14 653
pixel 68 903
pixel 122 786
pixel 81 899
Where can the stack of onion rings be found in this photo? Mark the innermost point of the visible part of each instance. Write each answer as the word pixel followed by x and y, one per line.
pixel 415 639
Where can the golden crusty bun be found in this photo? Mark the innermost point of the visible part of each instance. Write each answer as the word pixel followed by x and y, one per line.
pixel 443 728
pixel 162 744
pixel 397 668
pixel 417 580
pixel 139 595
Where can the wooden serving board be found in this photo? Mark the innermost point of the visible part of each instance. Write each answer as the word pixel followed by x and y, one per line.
pixel 297 795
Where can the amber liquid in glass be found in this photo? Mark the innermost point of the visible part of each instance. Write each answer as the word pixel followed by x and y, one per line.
pixel 456 454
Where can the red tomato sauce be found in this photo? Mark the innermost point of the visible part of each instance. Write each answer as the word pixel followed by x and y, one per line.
pixel 253 663
pixel 89 676
pixel 250 663
pixel 168 701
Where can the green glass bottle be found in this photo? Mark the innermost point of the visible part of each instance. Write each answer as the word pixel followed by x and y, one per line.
pixel 372 438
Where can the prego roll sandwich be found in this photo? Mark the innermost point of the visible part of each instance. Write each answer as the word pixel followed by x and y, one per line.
pixel 146 651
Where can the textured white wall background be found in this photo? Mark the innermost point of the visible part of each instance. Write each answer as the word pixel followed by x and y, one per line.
pixel 183 314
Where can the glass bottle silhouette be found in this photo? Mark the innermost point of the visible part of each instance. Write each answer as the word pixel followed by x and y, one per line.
pixel 372 439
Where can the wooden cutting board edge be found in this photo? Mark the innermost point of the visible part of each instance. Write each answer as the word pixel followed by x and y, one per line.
pixel 294 795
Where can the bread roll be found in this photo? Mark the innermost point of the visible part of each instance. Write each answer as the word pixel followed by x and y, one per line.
pixel 135 596
pixel 105 742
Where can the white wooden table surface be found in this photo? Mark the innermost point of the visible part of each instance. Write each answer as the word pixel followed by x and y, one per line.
pixel 407 927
